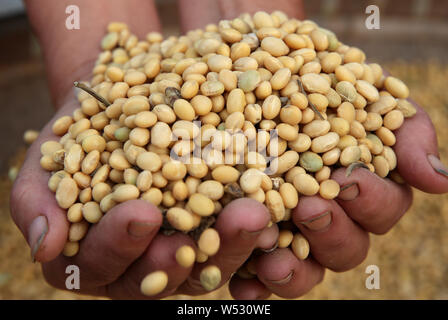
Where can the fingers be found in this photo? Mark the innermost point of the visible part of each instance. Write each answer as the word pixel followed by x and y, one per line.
pixel 336 242
pixel 239 225
pixel 248 289
pixel 36 213
pixel 285 275
pixel 375 203
pixel 418 155
pixel 110 246
pixel 34 208
pixel 160 255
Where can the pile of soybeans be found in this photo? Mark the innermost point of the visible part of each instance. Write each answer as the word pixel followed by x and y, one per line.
pixel 261 106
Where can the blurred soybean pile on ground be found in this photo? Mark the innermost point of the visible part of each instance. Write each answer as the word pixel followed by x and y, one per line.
pixel 412 257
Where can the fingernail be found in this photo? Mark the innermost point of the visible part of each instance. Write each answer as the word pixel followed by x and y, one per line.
pixel 248 235
pixel 318 223
pixel 349 192
pixel 139 229
pixel 437 165
pixel 270 249
pixel 284 280
pixel 36 234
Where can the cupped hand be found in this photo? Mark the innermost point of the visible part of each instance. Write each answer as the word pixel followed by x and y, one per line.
pixel 338 230
pixel 125 246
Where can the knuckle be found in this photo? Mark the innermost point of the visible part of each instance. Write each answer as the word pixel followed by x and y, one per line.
pixel 230 262
pixel 357 256
pixel 383 226
pixel 338 244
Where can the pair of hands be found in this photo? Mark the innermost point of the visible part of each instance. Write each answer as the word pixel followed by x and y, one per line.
pixel 125 246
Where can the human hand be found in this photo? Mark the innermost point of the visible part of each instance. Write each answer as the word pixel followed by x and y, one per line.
pixel 124 246
pixel 120 250
pixel 338 230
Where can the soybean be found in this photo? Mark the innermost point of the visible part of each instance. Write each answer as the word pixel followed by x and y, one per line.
pixel 300 246
pixel 210 277
pixel 185 256
pixel 154 283
pixel 209 242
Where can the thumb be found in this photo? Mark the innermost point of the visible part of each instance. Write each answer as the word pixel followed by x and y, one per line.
pixel 34 208
pixel 418 155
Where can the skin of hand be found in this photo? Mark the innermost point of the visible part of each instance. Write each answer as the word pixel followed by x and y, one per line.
pixel 122 248
pixel 337 230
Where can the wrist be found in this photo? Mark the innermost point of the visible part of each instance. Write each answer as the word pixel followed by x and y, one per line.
pixel 61 83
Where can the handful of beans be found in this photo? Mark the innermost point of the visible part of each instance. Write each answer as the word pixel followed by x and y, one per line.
pixel 261 106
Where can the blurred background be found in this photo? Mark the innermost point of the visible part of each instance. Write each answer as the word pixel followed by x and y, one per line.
pixel 412 44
